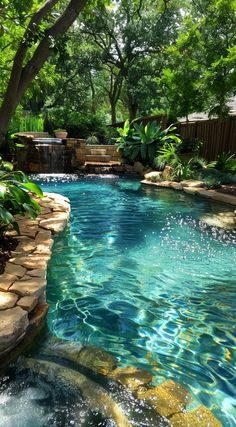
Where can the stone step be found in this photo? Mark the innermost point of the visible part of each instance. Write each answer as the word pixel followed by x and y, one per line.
pixel 88 165
pixel 98 152
pixel 97 158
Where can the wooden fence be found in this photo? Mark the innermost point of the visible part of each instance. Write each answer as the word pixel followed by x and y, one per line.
pixel 217 135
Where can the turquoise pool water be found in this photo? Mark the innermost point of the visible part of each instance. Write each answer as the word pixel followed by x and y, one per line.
pixel 139 274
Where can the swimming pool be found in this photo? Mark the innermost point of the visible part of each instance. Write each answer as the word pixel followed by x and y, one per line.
pixel 139 274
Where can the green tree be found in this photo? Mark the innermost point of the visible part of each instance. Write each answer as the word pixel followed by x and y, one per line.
pixel 199 71
pixel 128 35
pixel 181 79
pixel 45 24
pixel 217 26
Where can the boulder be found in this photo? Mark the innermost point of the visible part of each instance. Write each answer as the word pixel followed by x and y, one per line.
pixel 15 270
pixel 96 397
pixel 154 176
pixel 37 273
pixel 57 223
pixel 14 323
pixel 97 360
pixel 32 261
pixel 166 174
pixel 138 168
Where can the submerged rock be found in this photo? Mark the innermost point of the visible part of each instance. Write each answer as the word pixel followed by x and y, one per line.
pixel 167 398
pixel 97 360
pixel 225 220
pixel 201 416
pixel 94 358
pixel 96 397
pixel 131 377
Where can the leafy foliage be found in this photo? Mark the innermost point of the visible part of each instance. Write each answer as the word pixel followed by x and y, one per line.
pixel 182 168
pixel 140 142
pixel 224 162
pixel 14 196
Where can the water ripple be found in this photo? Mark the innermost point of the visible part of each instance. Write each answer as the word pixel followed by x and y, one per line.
pixel 141 275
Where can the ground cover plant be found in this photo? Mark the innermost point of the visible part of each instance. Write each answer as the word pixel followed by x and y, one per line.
pixel 16 192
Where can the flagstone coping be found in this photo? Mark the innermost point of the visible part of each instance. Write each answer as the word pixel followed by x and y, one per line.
pixel 23 283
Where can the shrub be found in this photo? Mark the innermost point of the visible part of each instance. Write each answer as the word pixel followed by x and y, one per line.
pixel 224 162
pixel 212 183
pixel 183 170
pixel 140 142
pixel 92 140
pixel 14 196
pixel 190 146
pixel 78 125
pixel 167 155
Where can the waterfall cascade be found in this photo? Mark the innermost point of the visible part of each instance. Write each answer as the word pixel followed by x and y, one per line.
pixel 51 154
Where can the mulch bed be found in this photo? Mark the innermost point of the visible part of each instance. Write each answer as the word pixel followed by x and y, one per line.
pixel 228 189
pixel 7 245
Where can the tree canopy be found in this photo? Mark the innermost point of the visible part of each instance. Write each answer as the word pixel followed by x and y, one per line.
pixel 105 61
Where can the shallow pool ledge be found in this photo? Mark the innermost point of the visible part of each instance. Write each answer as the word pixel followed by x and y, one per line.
pixel 23 306
pixel 194 187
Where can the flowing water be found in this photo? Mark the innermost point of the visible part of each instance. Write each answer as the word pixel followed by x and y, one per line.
pixel 51 153
pixel 139 274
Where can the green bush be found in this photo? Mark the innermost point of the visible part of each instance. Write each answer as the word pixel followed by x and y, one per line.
pixel 166 155
pixel 212 183
pixel 15 199
pixel 190 145
pixel 78 125
pixel 183 170
pixel 224 162
pixel 140 142
pixel 92 140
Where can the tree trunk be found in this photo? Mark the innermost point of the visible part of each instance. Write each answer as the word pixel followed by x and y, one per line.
pixel 93 103
pixel 133 108
pixel 113 112
pixel 22 76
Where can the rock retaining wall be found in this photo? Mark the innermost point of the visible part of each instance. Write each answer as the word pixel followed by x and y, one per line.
pixel 22 285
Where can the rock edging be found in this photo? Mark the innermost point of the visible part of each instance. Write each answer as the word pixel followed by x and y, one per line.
pixel 191 187
pixel 223 219
pixel 23 283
